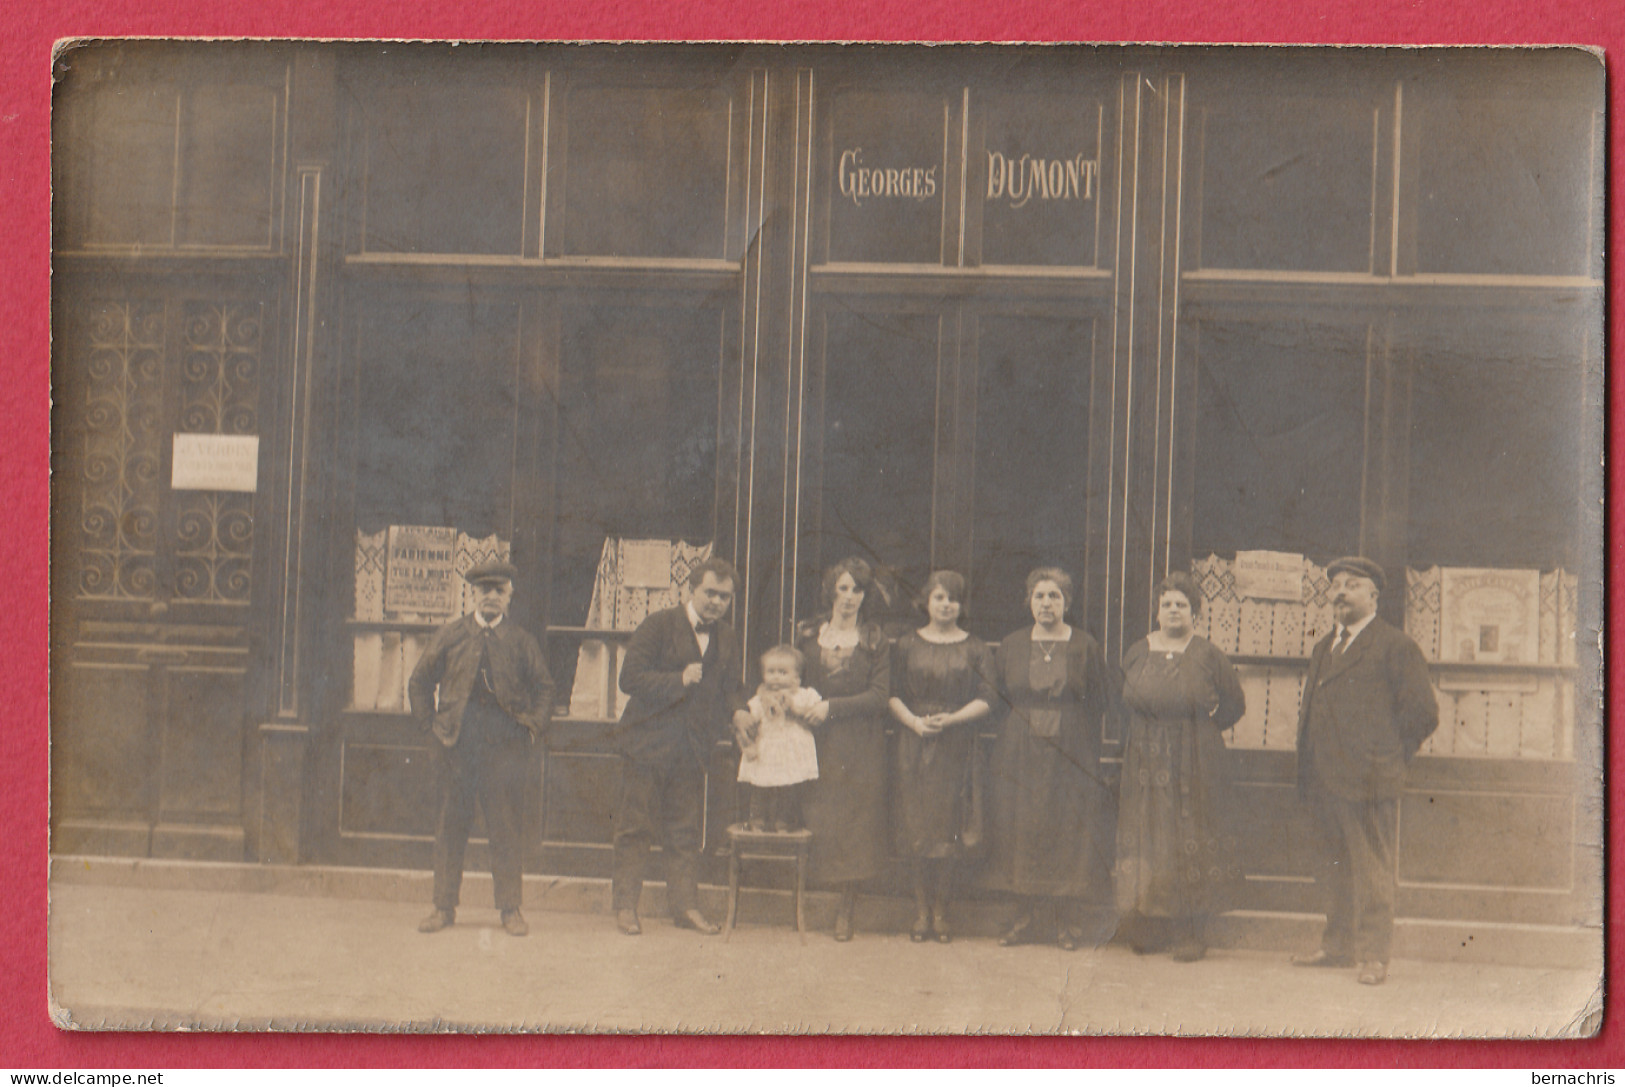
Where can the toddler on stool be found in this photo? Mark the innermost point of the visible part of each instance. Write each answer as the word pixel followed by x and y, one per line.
pixel 777 753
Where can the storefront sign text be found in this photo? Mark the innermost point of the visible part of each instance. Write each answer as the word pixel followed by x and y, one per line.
pixel 1019 180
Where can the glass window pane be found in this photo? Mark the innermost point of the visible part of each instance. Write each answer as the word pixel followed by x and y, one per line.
pixel 1280 437
pixel 435 425
pixel 1286 184
pixel 1032 461
pixel 445 170
pixel 636 453
pixel 647 172
pixel 879 434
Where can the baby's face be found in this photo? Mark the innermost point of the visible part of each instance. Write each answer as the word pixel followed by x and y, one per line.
pixel 780 675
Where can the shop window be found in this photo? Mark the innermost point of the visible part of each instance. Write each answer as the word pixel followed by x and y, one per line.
pixel 130 165
pixel 1280 437
pixel 636 438
pixel 1505 186
pixel 436 415
pixel 1038 178
pixel 1285 184
pixel 889 178
pixel 228 166
pixel 1498 432
pixel 879 442
pixel 163 164
pixel 647 171
pixel 445 170
pixel 1032 460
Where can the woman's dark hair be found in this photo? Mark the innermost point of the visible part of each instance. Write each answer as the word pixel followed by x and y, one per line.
pixel 1062 579
pixel 953 583
pixel 1181 582
pixel 863 576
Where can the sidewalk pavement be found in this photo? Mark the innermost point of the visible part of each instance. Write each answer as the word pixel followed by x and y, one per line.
pixel 144 957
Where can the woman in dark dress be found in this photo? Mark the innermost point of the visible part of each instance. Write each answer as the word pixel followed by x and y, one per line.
pixel 849 663
pixel 1048 800
pixel 941 683
pixel 1176 860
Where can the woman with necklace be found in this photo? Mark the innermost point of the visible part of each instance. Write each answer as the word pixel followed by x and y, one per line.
pixel 849 662
pixel 942 684
pixel 1047 845
pixel 1176 858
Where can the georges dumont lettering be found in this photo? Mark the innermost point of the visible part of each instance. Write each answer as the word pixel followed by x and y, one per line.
pixel 859 182
pixel 1021 179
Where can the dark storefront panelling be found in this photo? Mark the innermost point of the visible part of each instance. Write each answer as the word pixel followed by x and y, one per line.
pixel 1026 307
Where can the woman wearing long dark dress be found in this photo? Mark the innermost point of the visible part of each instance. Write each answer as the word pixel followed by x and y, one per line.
pixel 941 684
pixel 1046 845
pixel 849 662
pixel 1176 858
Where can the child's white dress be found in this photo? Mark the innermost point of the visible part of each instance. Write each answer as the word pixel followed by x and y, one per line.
pixel 785 751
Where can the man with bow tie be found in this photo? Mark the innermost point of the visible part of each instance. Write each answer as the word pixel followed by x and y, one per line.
pixel 683 673
pixel 483 688
pixel 1367 707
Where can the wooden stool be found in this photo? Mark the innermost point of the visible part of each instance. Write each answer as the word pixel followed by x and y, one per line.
pixel 767 845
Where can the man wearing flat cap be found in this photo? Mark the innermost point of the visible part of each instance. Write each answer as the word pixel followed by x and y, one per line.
pixel 1367 707
pixel 483 689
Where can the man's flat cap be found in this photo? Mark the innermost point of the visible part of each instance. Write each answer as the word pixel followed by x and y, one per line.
pixel 1359 566
pixel 495 570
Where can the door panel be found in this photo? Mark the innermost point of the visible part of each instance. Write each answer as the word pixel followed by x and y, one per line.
pixel 151 586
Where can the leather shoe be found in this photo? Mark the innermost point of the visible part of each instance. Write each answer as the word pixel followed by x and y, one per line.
pixel 627 922
pixel 695 920
pixel 921 929
pixel 513 923
pixel 1373 973
pixel 1021 932
pixel 437 920
pixel 1322 958
pixel 1070 938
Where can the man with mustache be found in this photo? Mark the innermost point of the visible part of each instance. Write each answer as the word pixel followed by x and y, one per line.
pixel 1367 707
pixel 683 673
pixel 483 687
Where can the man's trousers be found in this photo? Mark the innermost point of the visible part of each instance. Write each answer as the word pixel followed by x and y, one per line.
pixel 1356 873
pixel 659 804
pixel 488 764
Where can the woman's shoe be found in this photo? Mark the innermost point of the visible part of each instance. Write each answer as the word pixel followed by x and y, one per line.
pixel 1021 932
pixel 922 927
pixel 939 927
pixel 1070 938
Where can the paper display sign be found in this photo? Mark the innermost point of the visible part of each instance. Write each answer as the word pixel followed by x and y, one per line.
pixel 420 573
pixel 215 462
pixel 1489 616
pixel 1269 575
pixel 646 564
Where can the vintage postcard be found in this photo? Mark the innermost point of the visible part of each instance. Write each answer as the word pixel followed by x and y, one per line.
pixel 827 538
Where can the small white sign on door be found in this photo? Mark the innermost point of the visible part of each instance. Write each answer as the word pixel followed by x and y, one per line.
pixel 216 462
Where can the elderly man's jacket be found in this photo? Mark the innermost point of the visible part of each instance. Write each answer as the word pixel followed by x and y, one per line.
pixel 664 721
pixel 1365 713
pixel 519 676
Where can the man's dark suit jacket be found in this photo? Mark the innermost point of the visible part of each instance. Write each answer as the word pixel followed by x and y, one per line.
pixel 665 721
pixel 1364 714
pixel 519 676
